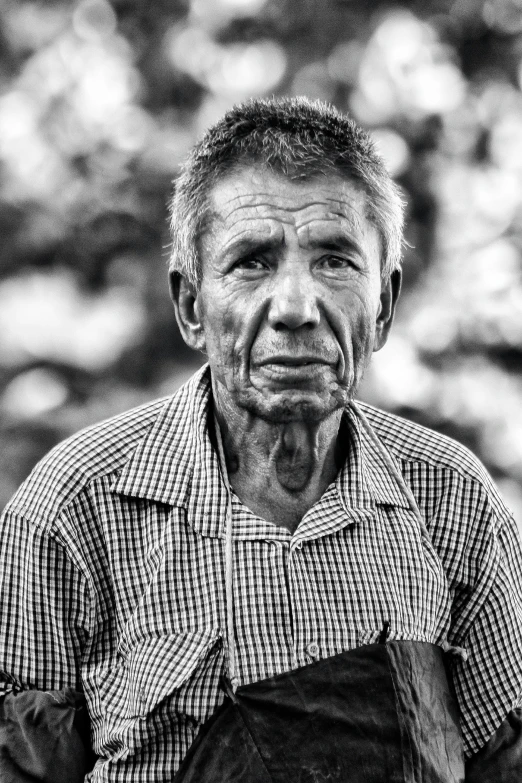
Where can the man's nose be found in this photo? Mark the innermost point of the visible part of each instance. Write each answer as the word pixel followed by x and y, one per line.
pixel 294 301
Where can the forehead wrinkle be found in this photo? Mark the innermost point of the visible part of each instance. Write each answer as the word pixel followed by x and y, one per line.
pixel 347 206
pixel 283 201
pixel 247 235
pixel 263 226
pixel 249 201
pixel 340 218
pixel 261 207
pixel 270 194
pixel 291 216
pixel 269 230
pixel 354 201
pixel 270 204
pixel 277 216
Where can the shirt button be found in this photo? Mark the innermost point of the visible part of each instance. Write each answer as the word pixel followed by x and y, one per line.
pixel 312 649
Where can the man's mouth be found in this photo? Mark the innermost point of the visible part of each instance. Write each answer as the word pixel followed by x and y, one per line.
pixel 293 371
pixel 293 361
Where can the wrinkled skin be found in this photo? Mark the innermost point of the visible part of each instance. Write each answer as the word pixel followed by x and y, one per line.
pixel 290 308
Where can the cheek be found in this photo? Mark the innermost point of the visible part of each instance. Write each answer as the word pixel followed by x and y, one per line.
pixel 221 328
pixel 366 326
pixel 216 315
pixel 359 322
pixel 228 324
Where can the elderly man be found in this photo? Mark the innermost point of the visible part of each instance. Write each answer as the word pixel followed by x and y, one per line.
pixel 259 579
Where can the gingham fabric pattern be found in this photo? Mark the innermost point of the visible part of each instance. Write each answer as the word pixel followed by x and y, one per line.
pixel 112 576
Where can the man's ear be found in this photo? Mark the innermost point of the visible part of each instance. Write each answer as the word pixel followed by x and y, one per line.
pixel 390 290
pixel 187 310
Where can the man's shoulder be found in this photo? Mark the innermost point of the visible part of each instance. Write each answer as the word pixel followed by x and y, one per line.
pixel 412 442
pixel 94 452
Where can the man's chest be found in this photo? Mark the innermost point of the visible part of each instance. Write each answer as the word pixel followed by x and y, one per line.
pixel 328 588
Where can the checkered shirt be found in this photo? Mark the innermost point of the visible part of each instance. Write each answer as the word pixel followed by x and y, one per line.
pixel 112 576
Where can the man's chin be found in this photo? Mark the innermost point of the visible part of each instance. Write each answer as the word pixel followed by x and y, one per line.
pixel 292 405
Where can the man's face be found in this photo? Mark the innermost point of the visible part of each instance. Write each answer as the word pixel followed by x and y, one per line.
pixel 291 303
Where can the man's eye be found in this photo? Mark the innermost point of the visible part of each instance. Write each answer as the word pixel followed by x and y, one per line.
pixel 336 263
pixel 251 265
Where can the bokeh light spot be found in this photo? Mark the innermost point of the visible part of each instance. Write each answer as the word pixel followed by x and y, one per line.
pixel 46 316
pixel 394 149
pixel 242 6
pixel 32 394
pixel 249 69
pixel 237 69
pixel 400 375
pixel 406 69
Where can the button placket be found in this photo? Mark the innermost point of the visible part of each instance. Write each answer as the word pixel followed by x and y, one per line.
pixel 306 648
pixel 284 557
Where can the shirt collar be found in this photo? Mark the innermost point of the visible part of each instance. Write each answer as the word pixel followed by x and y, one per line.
pixel 366 478
pixel 176 463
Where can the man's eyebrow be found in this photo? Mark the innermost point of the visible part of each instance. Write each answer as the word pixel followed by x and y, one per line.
pixel 249 244
pixel 340 241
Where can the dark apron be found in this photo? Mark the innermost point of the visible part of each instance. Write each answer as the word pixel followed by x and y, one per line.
pixel 382 713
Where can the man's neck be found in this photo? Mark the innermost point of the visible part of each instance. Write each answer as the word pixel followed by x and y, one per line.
pixel 278 470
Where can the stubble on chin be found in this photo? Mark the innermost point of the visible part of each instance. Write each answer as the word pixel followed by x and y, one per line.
pixel 286 407
pixel 236 389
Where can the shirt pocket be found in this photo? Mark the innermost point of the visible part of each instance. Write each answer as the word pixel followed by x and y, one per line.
pixel 155 668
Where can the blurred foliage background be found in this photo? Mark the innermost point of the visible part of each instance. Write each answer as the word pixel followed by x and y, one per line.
pixel 99 102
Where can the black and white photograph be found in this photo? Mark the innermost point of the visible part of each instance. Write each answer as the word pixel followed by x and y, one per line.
pixel 260 391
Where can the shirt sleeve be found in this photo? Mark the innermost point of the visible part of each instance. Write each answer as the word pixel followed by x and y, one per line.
pixel 489 682
pixel 44 611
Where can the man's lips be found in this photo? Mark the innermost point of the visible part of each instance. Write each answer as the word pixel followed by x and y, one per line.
pixel 293 361
pixel 293 370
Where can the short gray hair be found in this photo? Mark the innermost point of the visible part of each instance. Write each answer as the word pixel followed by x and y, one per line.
pixel 295 137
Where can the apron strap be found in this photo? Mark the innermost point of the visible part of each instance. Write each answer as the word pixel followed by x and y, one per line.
pixel 231 665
